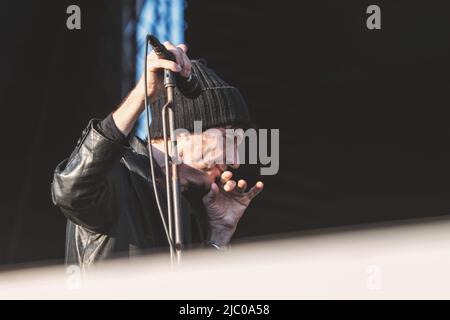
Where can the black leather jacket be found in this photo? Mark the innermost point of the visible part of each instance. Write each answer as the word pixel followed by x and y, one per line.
pixel 104 190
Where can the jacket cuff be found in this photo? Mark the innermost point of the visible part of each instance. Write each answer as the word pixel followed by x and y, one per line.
pixel 107 127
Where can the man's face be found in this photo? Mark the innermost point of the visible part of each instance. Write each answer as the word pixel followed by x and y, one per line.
pixel 206 155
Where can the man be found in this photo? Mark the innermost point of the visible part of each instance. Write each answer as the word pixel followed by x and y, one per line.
pixel 104 188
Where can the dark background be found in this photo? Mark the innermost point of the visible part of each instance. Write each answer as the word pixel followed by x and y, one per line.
pixel 363 115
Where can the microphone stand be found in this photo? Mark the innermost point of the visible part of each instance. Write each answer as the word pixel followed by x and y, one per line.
pixel 174 231
pixel 171 172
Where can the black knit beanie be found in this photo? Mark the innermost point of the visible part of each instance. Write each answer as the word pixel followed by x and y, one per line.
pixel 218 105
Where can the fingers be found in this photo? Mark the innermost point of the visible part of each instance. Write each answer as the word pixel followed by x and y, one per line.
pixel 225 179
pixel 225 176
pixel 181 57
pixel 183 47
pixel 154 65
pixel 241 186
pixel 176 52
pixel 257 188
pixel 187 66
pixel 229 186
pixel 182 64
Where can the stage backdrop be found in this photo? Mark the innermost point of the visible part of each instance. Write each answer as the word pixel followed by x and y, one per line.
pixel 52 82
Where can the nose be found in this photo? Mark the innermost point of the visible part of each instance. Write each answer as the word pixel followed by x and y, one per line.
pixel 235 165
pixel 222 167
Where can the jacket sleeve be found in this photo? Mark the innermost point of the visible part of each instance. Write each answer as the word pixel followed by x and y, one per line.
pixel 82 185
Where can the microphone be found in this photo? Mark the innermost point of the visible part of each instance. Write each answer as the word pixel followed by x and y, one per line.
pixel 189 87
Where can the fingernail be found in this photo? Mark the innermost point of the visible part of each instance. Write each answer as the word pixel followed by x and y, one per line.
pixel 178 67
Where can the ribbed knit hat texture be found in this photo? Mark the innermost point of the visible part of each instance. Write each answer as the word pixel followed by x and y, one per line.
pixel 219 104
